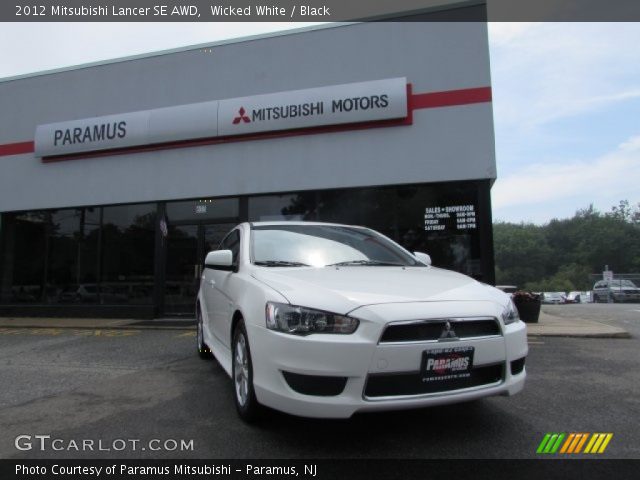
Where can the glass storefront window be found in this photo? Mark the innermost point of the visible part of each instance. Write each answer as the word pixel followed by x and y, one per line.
pixel 437 219
pixel 50 257
pixel 202 209
pixel 289 207
pixel 71 256
pixel 107 255
pixel 128 246
pixel 371 207
pixel 441 220
pixel 22 258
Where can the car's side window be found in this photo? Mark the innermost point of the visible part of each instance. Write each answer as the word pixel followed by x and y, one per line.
pixel 232 242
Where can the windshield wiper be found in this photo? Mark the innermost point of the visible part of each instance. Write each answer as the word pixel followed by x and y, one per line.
pixel 279 263
pixel 376 263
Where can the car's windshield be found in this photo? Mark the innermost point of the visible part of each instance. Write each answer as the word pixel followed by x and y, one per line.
pixel 323 245
pixel 622 283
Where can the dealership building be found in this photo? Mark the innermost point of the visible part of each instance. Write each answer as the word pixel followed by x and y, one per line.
pixel 117 178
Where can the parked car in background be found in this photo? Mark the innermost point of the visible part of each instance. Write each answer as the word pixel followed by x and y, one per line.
pixel 68 294
pixel 553 298
pixel 576 297
pixel 617 290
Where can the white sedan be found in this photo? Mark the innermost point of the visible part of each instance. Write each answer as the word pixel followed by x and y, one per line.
pixel 325 320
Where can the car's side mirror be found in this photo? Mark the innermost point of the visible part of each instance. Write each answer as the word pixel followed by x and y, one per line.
pixel 219 260
pixel 422 257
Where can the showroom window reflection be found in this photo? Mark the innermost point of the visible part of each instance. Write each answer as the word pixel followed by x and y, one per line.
pixel 78 256
pixel 128 238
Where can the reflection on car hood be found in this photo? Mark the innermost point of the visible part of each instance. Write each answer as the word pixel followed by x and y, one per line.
pixel 343 289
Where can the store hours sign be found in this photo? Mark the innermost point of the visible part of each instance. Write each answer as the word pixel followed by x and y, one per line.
pixel 450 218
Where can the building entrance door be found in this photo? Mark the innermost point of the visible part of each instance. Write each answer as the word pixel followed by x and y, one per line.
pixel 187 246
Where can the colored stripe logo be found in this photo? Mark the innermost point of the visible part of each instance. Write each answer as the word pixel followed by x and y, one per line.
pixel 573 443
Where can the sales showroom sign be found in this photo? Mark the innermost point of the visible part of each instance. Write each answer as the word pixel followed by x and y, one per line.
pixel 314 107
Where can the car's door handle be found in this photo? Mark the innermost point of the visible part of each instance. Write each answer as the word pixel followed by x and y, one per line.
pixel 212 283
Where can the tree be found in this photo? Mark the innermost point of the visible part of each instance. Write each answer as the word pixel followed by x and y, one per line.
pixel 521 253
pixel 561 254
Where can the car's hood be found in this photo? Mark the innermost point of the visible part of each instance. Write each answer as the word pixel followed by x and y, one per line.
pixel 346 288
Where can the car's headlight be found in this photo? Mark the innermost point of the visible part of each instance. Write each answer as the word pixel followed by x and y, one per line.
pixel 303 321
pixel 510 313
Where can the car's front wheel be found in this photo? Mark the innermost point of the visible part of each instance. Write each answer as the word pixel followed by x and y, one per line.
pixel 203 350
pixel 242 375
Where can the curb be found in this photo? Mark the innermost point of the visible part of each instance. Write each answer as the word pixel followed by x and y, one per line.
pixel 101 327
pixel 618 334
pixel 581 335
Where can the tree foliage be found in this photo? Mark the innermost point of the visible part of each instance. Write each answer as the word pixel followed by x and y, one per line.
pixel 560 255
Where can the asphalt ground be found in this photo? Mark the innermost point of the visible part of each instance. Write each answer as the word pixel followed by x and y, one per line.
pixel 101 385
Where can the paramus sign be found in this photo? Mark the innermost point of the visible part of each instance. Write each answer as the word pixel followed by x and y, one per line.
pixel 313 107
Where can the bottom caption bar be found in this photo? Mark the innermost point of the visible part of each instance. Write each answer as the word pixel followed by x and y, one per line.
pixel 348 469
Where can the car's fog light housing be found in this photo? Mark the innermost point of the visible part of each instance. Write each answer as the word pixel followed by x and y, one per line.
pixel 510 313
pixel 303 321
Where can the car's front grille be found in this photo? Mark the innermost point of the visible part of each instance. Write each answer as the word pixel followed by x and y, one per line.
pixel 425 330
pixel 402 384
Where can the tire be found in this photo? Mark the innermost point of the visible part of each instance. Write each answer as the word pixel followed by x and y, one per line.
pixel 242 376
pixel 203 349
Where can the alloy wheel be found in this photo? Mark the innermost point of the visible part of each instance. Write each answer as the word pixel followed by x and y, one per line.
pixel 241 370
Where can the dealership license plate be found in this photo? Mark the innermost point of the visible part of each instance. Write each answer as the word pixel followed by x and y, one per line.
pixel 442 364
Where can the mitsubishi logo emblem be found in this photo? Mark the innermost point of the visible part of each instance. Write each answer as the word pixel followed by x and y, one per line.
pixel 447 333
pixel 241 117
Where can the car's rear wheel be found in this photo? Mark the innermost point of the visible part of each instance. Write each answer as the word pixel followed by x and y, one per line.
pixel 242 375
pixel 203 349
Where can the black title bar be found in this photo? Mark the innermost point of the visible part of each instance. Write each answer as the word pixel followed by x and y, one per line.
pixel 317 10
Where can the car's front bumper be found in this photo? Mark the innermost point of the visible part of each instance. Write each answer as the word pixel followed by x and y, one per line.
pixel 359 357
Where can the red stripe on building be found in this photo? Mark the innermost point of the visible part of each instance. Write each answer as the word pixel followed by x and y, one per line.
pixel 16 148
pixel 417 101
pixel 451 98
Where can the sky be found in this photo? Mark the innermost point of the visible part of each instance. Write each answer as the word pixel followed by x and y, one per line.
pixel 566 99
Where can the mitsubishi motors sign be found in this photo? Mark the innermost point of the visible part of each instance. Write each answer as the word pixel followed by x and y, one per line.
pixel 298 109
pixel 314 107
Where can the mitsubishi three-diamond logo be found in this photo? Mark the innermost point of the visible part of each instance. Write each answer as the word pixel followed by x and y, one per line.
pixel 242 117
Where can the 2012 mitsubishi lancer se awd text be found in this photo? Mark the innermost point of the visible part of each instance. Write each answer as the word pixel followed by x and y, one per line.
pixel 325 320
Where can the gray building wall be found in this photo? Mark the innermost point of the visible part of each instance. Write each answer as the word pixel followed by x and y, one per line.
pixel 443 144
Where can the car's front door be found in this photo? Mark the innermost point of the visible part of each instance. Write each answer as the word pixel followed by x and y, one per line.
pixel 216 282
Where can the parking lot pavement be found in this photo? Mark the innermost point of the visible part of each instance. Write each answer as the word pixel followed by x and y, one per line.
pixel 150 385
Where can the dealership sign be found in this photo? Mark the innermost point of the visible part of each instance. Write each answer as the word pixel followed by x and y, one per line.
pixel 314 107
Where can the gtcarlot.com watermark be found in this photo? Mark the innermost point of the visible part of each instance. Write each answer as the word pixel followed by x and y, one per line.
pixel 45 443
